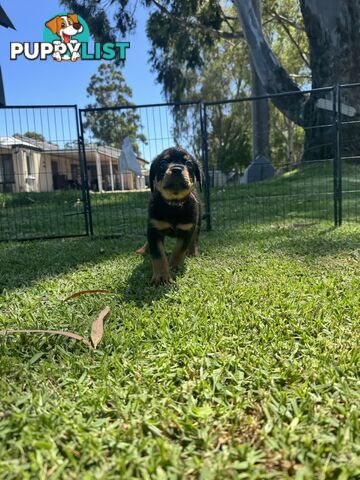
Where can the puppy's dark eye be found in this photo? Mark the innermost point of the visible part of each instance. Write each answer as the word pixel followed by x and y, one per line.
pixel 162 169
pixel 189 164
pixel 63 25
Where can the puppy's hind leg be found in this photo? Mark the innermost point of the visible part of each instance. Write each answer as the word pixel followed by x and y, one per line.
pixel 193 249
pixel 182 245
pixel 178 254
pixel 144 248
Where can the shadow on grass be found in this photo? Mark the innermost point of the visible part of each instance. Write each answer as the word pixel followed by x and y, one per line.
pixel 27 262
pixel 139 289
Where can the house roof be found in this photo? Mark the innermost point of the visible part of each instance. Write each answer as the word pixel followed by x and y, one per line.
pixel 21 141
pixel 5 20
pixel 47 147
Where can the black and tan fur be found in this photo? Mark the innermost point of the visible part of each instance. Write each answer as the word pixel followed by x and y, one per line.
pixel 174 210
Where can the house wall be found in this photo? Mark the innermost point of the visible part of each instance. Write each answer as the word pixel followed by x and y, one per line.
pixel 39 179
pixel 65 166
pixel 45 178
pixel 217 178
pixel 19 169
pixel 40 176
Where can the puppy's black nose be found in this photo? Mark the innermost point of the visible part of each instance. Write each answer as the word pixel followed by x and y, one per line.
pixel 77 26
pixel 177 170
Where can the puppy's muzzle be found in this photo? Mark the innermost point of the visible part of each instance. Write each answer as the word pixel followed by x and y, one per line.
pixel 77 26
pixel 175 180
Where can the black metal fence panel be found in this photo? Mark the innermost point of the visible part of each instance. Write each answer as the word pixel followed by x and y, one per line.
pixel 118 195
pixel 348 184
pixel 63 174
pixel 40 173
pixel 290 182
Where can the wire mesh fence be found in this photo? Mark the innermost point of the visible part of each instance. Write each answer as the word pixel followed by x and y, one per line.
pixel 60 173
pixel 349 148
pixel 290 182
pixel 40 173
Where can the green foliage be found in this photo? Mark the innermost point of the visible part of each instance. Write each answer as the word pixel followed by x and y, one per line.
pixel 197 51
pixel 181 32
pixel 229 138
pixel 108 89
pixel 284 28
pixel 34 135
pixel 286 140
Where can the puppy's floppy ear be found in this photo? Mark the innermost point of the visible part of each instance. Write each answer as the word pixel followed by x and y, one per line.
pixel 73 17
pixel 153 170
pixel 53 24
pixel 198 172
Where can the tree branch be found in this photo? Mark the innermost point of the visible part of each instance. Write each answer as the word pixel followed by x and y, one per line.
pixel 273 76
pixel 193 24
pixel 286 20
pixel 291 37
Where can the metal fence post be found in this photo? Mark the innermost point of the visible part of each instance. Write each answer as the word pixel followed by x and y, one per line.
pixel 205 158
pixel 337 156
pixel 84 175
pixel 338 153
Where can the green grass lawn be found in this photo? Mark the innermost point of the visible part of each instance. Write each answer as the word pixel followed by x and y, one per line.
pixel 245 368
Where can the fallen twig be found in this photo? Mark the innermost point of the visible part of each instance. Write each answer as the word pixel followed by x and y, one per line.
pixel 86 292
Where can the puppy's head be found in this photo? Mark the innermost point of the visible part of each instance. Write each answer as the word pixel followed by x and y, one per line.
pixel 174 174
pixel 65 26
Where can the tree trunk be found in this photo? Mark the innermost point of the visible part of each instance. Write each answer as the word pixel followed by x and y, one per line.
pixel 260 108
pixel 333 29
pixel 272 75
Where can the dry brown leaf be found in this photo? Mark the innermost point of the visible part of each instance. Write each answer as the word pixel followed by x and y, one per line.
pixel 97 328
pixel 86 292
pixel 72 335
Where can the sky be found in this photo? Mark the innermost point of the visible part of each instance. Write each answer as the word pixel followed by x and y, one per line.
pixel 50 82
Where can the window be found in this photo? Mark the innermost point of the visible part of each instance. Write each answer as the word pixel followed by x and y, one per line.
pixel 6 169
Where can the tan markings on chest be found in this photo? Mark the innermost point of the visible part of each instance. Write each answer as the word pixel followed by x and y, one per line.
pixel 185 226
pixel 160 224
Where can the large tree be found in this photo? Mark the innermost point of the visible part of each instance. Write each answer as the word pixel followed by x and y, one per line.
pixel 107 88
pixel 181 29
pixel 229 126
pixel 333 30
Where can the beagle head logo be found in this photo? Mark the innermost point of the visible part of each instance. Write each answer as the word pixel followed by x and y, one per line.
pixel 65 26
pixel 66 29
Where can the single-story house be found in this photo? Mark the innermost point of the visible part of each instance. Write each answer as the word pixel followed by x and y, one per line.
pixel 30 165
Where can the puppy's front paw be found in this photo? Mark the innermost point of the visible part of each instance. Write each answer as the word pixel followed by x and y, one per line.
pixel 159 278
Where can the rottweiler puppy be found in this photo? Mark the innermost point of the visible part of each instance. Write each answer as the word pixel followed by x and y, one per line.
pixel 174 210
